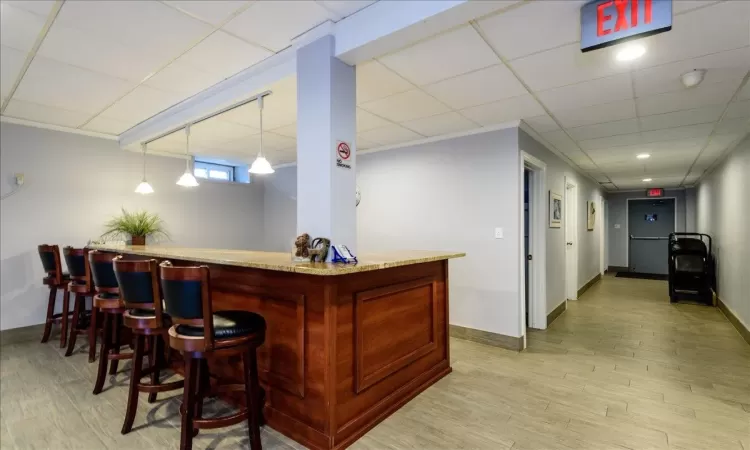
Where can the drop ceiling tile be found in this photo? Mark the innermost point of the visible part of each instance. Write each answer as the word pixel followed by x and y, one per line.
pixel 274 24
pixel 108 126
pixel 345 8
pixel 140 104
pixel 611 141
pixel 215 132
pixel 738 110
pixel 376 81
pixel 364 144
pixel 697 97
pixel 745 92
pixel 728 66
pixel 482 86
pixel 287 130
pixel 367 121
pixel 440 124
pixel 562 142
pixel 408 105
pixel 588 93
pixel 66 87
pixel 541 124
pixel 45 114
pixel 670 134
pixel 153 28
pixel 681 118
pixel 87 50
pixel 223 54
pixel 211 11
pixel 515 108
pixel 18 28
pixel 730 126
pixel 38 7
pixel 392 134
pixel 604 129
pixel 683 6
pixel 275 141
pixel 181 77
pixel 695 34
pixel 11 62
pixel 566 65
pixel 606 112
pixel 533 27
pixel 441 57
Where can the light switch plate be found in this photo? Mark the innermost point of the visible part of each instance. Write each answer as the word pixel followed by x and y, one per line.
pixel 617 226
pixel 498 233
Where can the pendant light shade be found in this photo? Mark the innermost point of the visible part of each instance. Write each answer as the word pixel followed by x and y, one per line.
pixel 144 187
pixel 261 166
pixel 187 179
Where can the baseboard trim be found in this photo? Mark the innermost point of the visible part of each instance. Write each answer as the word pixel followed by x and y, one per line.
pixel 617 269
pixel 487 338
pixel 561 308
pixel 734 320
pixel 589 284
pixel 22 334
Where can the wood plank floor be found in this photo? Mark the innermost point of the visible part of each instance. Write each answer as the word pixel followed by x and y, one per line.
pixel 621 369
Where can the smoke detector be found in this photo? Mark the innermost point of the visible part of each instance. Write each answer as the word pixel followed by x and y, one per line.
pixel 693 78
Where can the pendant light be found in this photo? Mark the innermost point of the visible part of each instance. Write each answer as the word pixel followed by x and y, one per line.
pixel 144 187
pixel 188 179
pixel 261 166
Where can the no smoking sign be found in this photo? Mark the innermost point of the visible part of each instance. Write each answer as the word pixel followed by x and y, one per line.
pixel 343 153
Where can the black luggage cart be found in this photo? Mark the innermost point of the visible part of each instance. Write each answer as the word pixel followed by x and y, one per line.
pixel 691 267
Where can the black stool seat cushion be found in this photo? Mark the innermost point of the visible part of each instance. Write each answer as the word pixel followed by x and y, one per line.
pixel 142 312
pixel 228 324
pixel 108 296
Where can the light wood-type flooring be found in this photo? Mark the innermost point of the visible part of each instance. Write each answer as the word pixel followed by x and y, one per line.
pixel 620 369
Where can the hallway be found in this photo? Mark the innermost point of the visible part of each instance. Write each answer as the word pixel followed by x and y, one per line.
pixel 621 369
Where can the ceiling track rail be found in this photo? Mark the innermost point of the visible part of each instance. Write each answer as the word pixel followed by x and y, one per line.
pixel 209 116
pixel 32 53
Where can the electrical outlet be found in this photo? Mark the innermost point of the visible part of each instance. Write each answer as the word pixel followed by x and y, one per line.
pixel 617 226
pixel 19 179
pixel 498 233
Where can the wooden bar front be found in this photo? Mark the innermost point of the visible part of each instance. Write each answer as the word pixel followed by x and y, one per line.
pixel 342 352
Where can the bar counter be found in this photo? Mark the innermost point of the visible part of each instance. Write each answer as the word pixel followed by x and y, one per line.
pixel 346 345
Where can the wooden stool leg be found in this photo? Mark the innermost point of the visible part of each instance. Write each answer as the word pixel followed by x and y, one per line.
pixel 188 403
pixel 252 397
pixel 77 300
pixel 65 313
pixel 103 353
pixel 50 312
pixel 156 362
pixel 116 326
pixel 135 378
pixel 93 332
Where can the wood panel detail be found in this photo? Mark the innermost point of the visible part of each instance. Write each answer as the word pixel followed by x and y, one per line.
pixel 394 326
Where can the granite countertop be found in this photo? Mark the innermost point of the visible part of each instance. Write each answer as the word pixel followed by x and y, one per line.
pixel 281 261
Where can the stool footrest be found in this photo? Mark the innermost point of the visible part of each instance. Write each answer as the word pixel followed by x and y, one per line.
pixel 220 422
pixel 150 388
pixel 119 356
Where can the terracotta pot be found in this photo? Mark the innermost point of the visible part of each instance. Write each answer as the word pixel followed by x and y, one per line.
pixel 137 240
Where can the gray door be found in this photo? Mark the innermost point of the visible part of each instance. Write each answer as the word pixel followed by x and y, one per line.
pixel 649 219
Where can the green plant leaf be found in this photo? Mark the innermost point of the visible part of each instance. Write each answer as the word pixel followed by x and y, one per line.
pixel 139 223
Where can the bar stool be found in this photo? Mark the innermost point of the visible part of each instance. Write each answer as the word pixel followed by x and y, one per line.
pixel 139 291
pixel 199 333
pixel 107 300
pixel 56 279
pixel 81 287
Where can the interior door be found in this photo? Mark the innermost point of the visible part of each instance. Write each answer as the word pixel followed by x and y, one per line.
pixel 649 224
pixel 570 213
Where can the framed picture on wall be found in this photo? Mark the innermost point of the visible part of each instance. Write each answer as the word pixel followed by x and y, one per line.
pixel 590 215
pixel 555 210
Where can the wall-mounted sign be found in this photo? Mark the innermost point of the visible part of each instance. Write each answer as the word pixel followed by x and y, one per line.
pixel 343 153
pixel 608 22
pixel 655 192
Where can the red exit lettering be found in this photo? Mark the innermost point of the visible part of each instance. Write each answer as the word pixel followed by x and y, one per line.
pixel 621 19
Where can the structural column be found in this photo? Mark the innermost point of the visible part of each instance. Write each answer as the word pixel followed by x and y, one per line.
pixel 326 147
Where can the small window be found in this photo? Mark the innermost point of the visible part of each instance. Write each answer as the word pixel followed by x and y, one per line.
pixel 213 171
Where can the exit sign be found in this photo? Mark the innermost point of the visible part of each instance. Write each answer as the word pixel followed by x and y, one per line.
pixel 655 192
pixel 609 22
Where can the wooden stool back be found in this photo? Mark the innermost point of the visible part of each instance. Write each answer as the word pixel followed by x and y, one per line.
pixel 79 268
pixel 187 298
pixel 50 255
pixel 139 286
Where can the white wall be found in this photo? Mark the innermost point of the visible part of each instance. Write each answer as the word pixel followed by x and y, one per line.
pixel 723 210
pixel 618 204
pixel 75 183
pixel 589 243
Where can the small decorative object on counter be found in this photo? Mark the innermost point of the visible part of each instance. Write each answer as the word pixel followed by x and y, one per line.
pixel 319 249
pixel 342 254
pixel 301 252
pixel 135 226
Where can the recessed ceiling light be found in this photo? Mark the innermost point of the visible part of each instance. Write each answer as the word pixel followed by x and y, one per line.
pixel 643 156
pixel 631 52
pixel 646 180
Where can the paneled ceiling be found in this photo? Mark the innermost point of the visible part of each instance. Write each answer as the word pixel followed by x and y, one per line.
pixel 523 63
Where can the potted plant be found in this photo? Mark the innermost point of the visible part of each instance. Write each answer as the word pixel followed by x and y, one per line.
pixel 135 225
